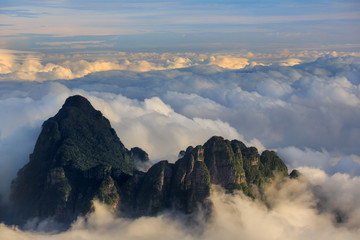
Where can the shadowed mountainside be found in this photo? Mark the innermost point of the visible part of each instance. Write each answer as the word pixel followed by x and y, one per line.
pixel 78 157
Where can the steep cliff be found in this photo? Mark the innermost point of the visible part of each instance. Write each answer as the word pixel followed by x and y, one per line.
pixel 78 158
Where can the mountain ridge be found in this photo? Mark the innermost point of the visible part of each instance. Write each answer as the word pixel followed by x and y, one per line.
pixel 78 158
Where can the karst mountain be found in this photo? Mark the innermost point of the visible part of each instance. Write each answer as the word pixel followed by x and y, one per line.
pixel 78 158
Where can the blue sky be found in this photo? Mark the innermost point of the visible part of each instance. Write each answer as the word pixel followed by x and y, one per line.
pixel 178 25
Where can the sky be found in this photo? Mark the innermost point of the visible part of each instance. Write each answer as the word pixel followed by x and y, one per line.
pixel 279 75
pixel 179 25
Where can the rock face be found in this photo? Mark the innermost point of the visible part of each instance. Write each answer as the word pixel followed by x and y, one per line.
pixel 78 158
pixel 294 174
pixel 182 186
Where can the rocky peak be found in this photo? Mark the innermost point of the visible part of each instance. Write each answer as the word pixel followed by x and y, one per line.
pixel 78 157
pixel 224 161
pixel 78 102
pixel 295 174
pixel 81 137
pixel 75 151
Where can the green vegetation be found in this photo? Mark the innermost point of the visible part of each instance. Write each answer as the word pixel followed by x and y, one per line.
pixel 87 138
pixel 272 164
pixel 295 174
pixel 253 167
pixel 108 192
pixel 78 158
pixel 150 196
pixel 190 184
pixel 221 155
pixel 243 187
pixel 71 164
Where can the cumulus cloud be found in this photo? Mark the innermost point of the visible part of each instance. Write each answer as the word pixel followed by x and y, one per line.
pixel 327 161
pixel 6 61
pixel 310 106
pixel 163 103
pixel 31 66
pixel 229 62
pixel 337 194
pixel 292 211
pixel 272 88
pixel 290 62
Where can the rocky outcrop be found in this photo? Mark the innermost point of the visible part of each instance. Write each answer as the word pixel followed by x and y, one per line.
pixel 225 162
pixel 182 186
pixel 76 155
pixel 78 158
pixel 295 174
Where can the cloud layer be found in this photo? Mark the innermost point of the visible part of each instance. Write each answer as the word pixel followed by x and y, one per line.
pixel 293 213
pixel 309 112
pixel 31 66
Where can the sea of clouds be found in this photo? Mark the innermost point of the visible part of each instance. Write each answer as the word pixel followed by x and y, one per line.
pixel 304 105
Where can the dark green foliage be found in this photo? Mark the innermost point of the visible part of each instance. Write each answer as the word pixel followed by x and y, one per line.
pixel 191 182
pixel 152 195
pixel 74 156
pixel 272 164
pixel 183 185
pixel 140 159
pixel 224 161
pixel 138 154
pixel 239 144
pixel 128 192
pixel 253 167
pixel 57 192
pixel 295 174
pixel 87 138
pixel 108 192
pixel 245 189
pixel 200 187
pixel 237 167
pixel 78 158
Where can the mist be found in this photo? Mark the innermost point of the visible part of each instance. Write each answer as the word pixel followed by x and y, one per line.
pixel 306 106
pixel 292 214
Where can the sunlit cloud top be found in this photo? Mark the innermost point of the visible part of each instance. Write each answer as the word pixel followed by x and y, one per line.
pixel 214 25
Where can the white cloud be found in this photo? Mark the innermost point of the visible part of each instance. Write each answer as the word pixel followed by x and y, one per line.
pixel 179 62
pixel 338 193
pixel 337 90
pixel 68 43
pixel 273 88
pixel 309 112
pixel 6 61
pixel 290 62
pixel 280 106
pixel 292 213
pixel 154 126
pixel 229 62
pixel 30 66
pixel 327 161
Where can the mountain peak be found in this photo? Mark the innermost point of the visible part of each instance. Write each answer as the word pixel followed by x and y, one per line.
pixel 75 151
pixel 78 105
pixel 78 157
pixel 77 101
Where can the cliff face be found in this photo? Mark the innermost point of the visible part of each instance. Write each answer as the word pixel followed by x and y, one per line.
pixel 75 155
pixel 182 186
pixel 78 158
